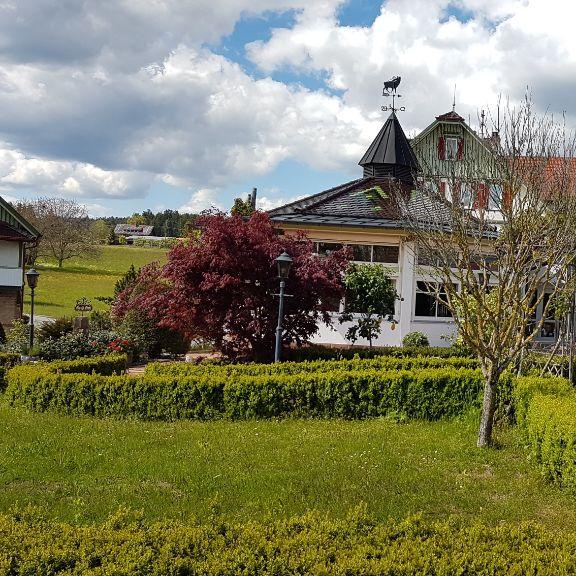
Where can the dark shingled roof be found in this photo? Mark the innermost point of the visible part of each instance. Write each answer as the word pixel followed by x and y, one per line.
pixel 390 147
pixel 367 202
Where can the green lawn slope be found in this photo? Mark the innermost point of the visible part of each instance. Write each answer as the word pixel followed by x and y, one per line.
pixel 59 288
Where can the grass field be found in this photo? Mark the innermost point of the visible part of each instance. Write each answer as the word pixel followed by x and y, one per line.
pixel 83 469
pixel 58 289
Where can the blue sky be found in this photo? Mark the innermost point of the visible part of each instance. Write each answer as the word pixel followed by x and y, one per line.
pixel 185 104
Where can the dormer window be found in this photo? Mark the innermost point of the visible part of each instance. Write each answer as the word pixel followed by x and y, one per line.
pixel 451 148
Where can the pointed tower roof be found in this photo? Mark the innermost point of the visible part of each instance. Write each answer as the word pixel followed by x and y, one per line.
pixel 390 154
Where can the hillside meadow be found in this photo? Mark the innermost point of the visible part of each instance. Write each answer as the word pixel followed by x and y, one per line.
pixel 59 288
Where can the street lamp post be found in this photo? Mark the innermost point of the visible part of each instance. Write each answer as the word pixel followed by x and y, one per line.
pixel 32 279
pixel 284 262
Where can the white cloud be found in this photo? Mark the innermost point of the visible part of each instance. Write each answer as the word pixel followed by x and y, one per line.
pixel 267 203
pixel 100 98
pixel 18 171
pixel 203 199
pixel 503 47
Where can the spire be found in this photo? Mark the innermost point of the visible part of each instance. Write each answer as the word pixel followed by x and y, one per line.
pixel 390 154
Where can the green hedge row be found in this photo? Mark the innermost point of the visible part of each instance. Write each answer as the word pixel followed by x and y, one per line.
pixel 427 394
pixel 106 365
pixel 546 414
pixel 319 352
pixel 309 544
pixel 378 363
pixel 7 361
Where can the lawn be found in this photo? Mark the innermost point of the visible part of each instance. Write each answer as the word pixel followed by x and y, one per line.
pixel 82 469
pixel 58 289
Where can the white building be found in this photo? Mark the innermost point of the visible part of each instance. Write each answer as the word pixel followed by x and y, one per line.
pixel 15 234
pixel 363 215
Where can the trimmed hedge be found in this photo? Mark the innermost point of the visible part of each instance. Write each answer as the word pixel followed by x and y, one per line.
pixel 356 364
pixel 319 352
pixel 309 544
pixel 546 414
pixel 427 394
pixel 7 361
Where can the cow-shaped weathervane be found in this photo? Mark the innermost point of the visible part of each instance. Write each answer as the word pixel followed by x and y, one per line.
pixel 389 89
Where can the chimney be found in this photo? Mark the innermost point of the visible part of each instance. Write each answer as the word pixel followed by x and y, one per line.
pixel 252 198
pixel 495 139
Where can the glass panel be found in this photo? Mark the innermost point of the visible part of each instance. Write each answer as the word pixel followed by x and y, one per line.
pixel 362 252
pixel 466 194
pixel 495 196
pixel 451 148
pixel 333 304
pixel 325 247
pixel 386 254
pixel 425 304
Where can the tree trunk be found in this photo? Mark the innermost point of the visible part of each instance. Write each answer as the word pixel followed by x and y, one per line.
pixel 488 409
pixel 60 260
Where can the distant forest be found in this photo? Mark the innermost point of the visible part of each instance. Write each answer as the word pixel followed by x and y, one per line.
pixel 167 223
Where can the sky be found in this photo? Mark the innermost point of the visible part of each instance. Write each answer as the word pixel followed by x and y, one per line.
pixel 128 105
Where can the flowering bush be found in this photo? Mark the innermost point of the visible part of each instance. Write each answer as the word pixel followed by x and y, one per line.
pixel 78 345
pixel 119 346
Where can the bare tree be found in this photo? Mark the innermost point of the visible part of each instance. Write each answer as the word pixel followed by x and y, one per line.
pixel 65 227
pixel 497 239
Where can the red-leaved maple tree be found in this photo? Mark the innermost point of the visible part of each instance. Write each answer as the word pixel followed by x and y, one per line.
pixel 221 286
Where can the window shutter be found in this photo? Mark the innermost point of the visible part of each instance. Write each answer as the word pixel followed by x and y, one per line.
pixel 460 151
pixel 443 189
pixel 507 196
pixel 456 192
pixel 481 197
pixel 442 148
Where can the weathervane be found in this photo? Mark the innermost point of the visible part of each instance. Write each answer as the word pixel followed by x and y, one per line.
pixel 390 90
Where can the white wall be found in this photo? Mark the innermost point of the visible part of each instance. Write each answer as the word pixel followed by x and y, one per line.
pixel 9 254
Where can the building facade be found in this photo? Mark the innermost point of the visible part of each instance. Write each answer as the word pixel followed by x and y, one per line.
pixel 16 234
pixel 447 155
pixel 362 214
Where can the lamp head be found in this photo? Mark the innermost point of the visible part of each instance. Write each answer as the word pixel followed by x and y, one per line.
pixel 284 262
pixel 32 278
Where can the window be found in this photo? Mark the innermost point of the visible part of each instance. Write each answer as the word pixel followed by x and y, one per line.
pixel 362 252
pixel 466 195
pixel 452 147
pixel 386 254
pixel 429 298
pixel 495 196
pixel 325 248
pixel 548 329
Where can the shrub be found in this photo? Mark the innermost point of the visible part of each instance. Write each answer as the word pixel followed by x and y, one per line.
pixel 166 243
pixel 427 393
pixel 546 414
pixel 67 347
pixel 80 345
pixel 55 329
pixel 31 543
pixel 7 361
pixel 356 364
pixel 18 338
pixel 100 320
pixel 415 340
pixel 319 352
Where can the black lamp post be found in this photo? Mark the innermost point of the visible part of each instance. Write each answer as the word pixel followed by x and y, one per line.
pixel 284 262
pixel 32 279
